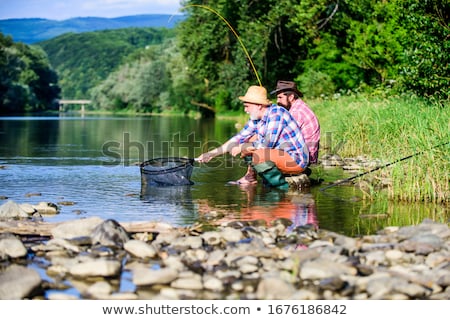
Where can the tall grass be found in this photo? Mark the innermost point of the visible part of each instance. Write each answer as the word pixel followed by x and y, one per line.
pixel 390 129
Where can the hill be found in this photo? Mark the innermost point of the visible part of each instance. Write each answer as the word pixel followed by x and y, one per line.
pixel 35 30
pixel 83 60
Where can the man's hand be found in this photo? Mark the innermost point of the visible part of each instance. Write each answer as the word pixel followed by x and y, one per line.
pixel 244 149
pixel 235 151
pixel 205 157
pixel 247 149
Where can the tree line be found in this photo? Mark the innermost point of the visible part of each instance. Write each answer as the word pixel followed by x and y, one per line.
pixel 329 47
pixel 27 81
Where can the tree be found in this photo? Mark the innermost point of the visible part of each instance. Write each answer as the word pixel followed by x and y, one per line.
pixel 229 45
pixel 136 85
pixel 425 65
pixel 27 82
pixel 377 43
pixel 84 60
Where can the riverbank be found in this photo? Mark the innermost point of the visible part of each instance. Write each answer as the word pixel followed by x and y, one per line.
pixel 392 129
pixel 103 259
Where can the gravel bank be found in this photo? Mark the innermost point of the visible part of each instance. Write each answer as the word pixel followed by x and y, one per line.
pixel 103 259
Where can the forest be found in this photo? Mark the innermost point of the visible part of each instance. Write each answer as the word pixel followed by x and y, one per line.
pixel 331 48
pixel 27 81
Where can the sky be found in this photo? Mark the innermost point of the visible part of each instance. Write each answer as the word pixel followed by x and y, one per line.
pixel 66 9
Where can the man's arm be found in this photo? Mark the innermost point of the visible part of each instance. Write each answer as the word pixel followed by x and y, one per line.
pixel 224 148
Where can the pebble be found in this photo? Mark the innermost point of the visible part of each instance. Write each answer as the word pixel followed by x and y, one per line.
pixel 235 261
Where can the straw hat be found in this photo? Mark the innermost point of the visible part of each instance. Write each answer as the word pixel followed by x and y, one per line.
pixel 256 95
pixel 283 86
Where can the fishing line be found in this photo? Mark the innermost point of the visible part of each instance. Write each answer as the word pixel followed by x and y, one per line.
pixel 235 34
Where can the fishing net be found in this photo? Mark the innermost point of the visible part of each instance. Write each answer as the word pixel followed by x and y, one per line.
pixel 171 171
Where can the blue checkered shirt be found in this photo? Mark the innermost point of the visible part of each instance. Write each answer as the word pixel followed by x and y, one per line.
pixel 277 129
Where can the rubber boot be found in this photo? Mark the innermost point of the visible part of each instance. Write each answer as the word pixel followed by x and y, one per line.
pixel 271 176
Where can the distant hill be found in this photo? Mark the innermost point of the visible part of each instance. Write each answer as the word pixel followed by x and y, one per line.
pixel 83 60
pixel 35 30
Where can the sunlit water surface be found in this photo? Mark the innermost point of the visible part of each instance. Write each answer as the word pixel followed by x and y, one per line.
pixel 88 167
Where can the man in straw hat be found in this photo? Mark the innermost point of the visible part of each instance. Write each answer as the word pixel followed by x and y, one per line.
pixel 289 96
pixel 271 141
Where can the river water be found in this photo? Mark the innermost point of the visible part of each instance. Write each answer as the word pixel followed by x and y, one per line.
pixel 88 166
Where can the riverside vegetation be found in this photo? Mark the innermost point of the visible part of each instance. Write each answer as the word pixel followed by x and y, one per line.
pixel 389 129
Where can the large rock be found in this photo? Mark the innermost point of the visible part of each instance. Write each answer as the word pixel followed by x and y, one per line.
pixel 11 210
pixel 76 228
pixel 18 282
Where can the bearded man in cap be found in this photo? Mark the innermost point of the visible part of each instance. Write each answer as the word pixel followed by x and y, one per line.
pixel 289 96
pixel 271 141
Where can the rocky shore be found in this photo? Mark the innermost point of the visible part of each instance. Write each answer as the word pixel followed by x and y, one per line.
pixel 93 258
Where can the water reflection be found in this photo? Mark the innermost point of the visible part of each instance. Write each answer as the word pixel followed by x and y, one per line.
pixel 170 199
pixel 299 208
pixel 265 205
pixel 166 194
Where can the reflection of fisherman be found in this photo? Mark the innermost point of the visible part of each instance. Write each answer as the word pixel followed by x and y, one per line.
pixel 305 213
pixel 299 208
pixel 278 147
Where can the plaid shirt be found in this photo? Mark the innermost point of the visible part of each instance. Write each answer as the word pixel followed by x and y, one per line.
pixel 276 130
pixel 309 124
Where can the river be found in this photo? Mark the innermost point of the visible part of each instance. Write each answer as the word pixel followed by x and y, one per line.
pixel 88 166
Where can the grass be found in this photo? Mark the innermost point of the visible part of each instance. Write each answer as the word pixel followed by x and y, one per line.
pixel 390 129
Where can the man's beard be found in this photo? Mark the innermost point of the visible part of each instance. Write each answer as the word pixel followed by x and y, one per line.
pixel 287 106
pixel 253 116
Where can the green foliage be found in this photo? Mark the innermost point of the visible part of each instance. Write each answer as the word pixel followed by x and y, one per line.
pixel 207 44
pixel 374 44
pixel 85 60
pixel 326 72
pixel 135 86
pixel 27 82
pixel 425 66
pixel 140 85
pixel 329 47
pixel 217 58
pixel 222 101
pixel 316 83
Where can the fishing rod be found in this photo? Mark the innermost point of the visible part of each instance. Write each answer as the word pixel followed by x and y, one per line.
pixel 338 182
pixel 235 34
